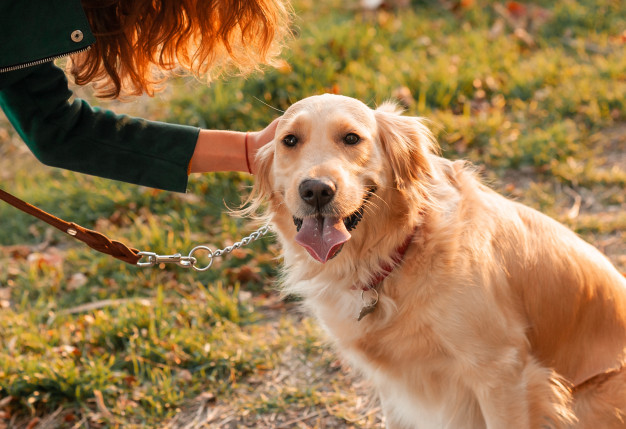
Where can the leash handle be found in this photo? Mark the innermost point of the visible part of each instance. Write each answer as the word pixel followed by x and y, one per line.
pixel 93 239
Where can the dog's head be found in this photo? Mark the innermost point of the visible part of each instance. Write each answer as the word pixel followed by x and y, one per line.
pixel 335 163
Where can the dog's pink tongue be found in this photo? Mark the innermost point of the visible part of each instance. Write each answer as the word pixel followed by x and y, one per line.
pixel 322 237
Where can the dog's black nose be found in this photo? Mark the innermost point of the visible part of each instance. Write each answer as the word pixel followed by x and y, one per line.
pixel 317 192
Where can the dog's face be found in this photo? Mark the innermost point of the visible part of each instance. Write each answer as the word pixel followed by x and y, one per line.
pixel 332 160
pixel 327 165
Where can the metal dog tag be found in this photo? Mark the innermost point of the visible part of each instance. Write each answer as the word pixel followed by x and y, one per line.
pixel 369 305
pixel 365 311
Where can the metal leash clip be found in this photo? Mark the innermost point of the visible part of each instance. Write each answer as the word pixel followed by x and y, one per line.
pixel 190 261
pixel 156 259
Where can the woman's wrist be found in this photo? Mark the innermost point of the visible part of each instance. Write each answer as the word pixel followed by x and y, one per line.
pixel 218 150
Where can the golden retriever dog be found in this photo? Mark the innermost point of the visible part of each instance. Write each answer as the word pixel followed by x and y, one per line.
pixel 463 308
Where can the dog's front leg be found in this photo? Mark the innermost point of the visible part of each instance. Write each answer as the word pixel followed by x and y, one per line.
pixel 395 418
pixel 528 399
pixel 505 406
pixel 403 411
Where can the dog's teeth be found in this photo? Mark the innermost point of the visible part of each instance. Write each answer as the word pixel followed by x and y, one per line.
pixel 351 222
pixel 298 223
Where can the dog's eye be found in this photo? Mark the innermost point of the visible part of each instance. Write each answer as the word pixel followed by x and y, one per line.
pixel 351 139
pixel 290 140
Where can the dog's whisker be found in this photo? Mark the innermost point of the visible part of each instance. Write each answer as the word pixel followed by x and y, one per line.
pixel 268 105
pixel 371 207
pixel 379 198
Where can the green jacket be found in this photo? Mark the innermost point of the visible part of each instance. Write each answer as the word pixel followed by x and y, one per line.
pixel 70 134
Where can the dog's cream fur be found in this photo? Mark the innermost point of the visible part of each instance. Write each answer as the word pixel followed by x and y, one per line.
pixel 495 314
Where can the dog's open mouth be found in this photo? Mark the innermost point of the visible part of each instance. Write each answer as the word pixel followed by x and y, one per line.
pixel 324 236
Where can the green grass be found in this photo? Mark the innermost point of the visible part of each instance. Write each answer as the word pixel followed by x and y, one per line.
pixel 118 346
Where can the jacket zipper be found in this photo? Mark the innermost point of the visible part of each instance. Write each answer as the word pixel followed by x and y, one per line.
pixel 44 60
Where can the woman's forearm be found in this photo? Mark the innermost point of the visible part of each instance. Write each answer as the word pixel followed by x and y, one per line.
pixel 218 150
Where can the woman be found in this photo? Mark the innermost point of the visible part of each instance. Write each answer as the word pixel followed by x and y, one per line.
pixel 126 47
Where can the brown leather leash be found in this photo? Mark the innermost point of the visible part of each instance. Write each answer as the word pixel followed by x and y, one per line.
pixel 93 239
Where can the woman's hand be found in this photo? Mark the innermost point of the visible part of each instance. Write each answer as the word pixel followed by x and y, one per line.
pixel 258 139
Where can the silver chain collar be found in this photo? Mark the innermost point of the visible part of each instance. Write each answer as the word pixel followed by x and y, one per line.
pixel 190 261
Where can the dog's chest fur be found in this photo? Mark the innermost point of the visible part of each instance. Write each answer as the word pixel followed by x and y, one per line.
pixel 404 359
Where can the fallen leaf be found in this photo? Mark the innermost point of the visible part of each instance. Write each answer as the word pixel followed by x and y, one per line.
pixel 516 9
pixel 34 422
pixel 76 281
pixel 207 398
pixel 5 293
pixel 240 253
pixel 497 29
pixel 17 251
pixel 129 380
pixel 620 38
pixel 51 258
pixel 184 375
pixel 247 274
pixel 524 36
pixel 371 4
pixel 67 351
pixel 102 408
pixel 458 5
pixel 404 96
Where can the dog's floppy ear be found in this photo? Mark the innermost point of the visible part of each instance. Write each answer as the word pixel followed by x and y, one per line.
pixel 263 164
pixel 406 142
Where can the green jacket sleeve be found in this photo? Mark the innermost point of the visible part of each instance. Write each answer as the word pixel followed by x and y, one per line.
pixel 74 136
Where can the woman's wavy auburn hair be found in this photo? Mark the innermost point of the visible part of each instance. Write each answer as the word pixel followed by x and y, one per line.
pixel 139 41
